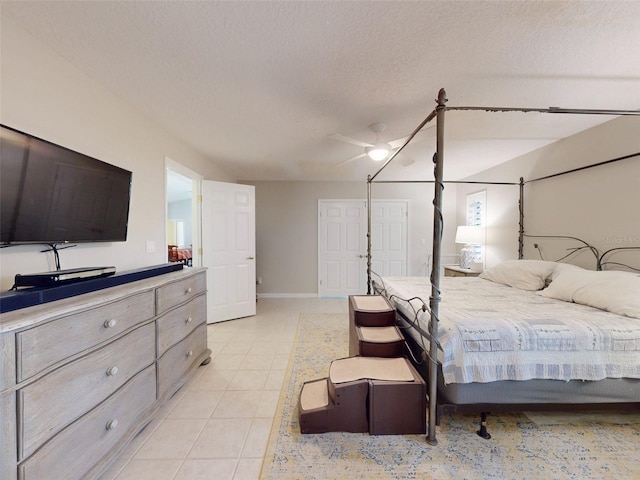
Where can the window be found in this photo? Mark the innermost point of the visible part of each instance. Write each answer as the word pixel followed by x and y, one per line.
pixel 476 216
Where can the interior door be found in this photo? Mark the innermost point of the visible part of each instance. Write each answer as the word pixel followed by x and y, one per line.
pixel 342 244
pixel 389 238
pixel 342 248
pixel 228 249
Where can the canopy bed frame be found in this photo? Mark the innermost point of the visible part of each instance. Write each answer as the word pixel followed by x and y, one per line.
pixel 436 407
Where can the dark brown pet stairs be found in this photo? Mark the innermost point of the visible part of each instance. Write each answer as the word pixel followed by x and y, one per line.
pixel 376 390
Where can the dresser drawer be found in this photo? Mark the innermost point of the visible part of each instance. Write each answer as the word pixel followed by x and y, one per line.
pixel 7 436
pixel 179 359
pixel 49 343
pixel 48 405
pixel 176 324
pixel 73 452
pixel 175 293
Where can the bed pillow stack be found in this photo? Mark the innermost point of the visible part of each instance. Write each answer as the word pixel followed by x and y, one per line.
pixel 522 274
pixel 617 292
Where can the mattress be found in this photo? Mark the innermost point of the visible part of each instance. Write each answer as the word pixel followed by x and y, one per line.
pixel 490 332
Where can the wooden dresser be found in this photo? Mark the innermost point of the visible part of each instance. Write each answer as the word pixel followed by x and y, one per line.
pixel 80 377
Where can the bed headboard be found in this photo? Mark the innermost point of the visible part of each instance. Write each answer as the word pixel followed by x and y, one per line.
pixel 566 248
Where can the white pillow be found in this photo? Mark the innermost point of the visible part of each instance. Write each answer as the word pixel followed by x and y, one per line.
pixel 617 292
pixel 570 278
pixel 522 274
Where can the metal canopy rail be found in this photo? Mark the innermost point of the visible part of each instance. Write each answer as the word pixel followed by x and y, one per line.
pixel 438 159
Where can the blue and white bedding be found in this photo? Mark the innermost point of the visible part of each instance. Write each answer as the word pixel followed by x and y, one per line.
pixel 490 331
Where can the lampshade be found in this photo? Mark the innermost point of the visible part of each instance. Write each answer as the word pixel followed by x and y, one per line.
pixel 378 152
pixel 468 234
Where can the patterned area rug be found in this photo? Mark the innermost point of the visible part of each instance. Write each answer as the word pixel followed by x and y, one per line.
pixel 519 448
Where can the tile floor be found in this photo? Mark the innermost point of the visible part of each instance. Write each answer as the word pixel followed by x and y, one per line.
pixel 217 426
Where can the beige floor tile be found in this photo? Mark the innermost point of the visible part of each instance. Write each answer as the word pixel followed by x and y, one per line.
pixel 201 469
pixel 274 380
pixel 280 362
pixel 257 362
pixel 212 379
pixel 221 438
pixel 172 439
pixel 150 470
pixel 227 362
pixel 256 442
pixel 196 404
pixel 216 347
pixel 248 469
pixel 263 348
pixel 249 380
pixel 268 403
pixel 237 348
pixel 237 404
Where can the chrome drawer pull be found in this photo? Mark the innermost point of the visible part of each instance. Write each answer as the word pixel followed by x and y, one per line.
pixel 188 320
pixel 190 353
pixel 110 323
pixel 111 371
pixel 112 424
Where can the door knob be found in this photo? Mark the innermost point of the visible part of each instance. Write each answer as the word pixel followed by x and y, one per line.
pixel 250 257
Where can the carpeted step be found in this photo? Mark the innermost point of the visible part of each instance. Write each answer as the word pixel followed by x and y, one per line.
pixel 363 394
pixel 380 342
pixel 368 311
pixel 339 408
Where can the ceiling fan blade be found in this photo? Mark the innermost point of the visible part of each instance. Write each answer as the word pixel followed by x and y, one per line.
pixel 350 159
pixel 400 141
pixel 352 141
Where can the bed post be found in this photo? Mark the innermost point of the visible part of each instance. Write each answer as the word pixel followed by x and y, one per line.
pixel 521 232
pixel 369 235
pixel 434 300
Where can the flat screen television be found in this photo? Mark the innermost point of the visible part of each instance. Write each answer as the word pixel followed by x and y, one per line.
pixel 52 195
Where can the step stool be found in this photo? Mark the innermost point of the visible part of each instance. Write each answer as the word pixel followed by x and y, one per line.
pixel 379 395
pixel 379 342
pixel 368 311
pixel 326 407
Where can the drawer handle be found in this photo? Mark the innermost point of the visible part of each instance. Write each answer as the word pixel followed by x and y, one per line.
pixel 188 290
pixel 111 371
pixel 110 323
pixel 190 353
pixel 112 424
pixel 189 320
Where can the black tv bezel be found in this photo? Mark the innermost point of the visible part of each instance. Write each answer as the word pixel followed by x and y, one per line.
pixel 71 240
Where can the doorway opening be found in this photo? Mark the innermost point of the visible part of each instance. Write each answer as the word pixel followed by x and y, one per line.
pixel 182 214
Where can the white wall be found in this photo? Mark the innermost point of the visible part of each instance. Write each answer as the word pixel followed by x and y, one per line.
pixel 44 95
pixel 598 205
pixel 287 228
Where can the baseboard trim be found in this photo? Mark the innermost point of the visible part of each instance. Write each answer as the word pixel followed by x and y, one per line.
pixel 287 295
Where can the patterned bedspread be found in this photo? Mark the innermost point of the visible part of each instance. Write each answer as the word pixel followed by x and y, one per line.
pixel 490 332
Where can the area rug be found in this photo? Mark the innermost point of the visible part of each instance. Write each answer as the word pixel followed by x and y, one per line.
pixel 518 449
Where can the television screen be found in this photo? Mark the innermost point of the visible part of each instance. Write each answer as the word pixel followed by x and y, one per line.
pixel 50 194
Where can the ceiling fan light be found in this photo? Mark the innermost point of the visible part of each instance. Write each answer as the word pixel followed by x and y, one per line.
pixel 378 152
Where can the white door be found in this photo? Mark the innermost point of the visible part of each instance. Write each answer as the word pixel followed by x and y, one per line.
pixel 342 244
pixel 342 248
pixel 389 237
pixel 228 249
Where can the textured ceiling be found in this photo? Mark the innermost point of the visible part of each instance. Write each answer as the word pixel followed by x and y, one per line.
pixel 258 87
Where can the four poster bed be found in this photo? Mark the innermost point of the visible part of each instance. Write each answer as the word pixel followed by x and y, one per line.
pixel 526 334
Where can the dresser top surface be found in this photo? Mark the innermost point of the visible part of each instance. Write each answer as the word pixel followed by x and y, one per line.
pixel 29 316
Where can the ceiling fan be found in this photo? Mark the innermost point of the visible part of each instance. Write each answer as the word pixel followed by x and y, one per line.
pixel 377 151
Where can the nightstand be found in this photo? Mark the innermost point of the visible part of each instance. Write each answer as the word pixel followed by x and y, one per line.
pixel 456 271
